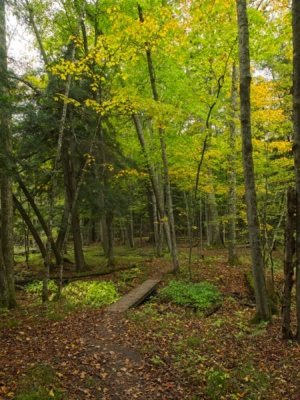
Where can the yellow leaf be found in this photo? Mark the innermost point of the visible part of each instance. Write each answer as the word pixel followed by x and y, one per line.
pixel 82 375
pixel 51 393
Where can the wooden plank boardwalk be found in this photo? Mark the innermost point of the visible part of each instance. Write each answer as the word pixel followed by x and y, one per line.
pixel 135 297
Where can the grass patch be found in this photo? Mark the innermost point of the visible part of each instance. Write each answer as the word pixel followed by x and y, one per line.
pixel 130 275
pixel 217 383
pixel 243 382
pixel 40 382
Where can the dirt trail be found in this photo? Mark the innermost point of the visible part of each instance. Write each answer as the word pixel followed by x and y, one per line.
pixel 122 372
pixel 90 355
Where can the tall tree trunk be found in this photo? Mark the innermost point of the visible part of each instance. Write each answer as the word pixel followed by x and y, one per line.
pixel 108 213
pixel 213 225
pixel 54 181
pixel 262 307
pixel 7 287
pixel 63 225
pixel 232 249
pixel 169 200
pixel 155 223
pixel 130 229
pixel 289 251
pixel 296 148
pixel 71 186
pixel 109 219
pixel 155 183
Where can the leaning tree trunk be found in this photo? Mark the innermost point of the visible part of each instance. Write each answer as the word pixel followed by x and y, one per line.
pixel 57 159
pixel 262 307
pixel 7 287
pixel 30 226
pixel 39 216
pixel 296 148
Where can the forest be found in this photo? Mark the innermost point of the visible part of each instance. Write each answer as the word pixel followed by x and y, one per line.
pixel 150 139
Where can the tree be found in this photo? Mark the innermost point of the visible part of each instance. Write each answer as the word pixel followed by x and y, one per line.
pixel 296 147
pixel 7 289
pixel 232 251
pixel 289 251
pixel 262 307
pixel 169 200
pixel 157 85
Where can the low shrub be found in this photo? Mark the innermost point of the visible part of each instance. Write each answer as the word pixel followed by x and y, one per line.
pixel 96 294
pixel 200 295
pixel 34 289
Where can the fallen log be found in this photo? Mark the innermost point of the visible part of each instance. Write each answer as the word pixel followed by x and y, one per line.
pixel 77 276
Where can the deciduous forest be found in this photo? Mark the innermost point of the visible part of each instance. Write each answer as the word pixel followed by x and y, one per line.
pixel 150 140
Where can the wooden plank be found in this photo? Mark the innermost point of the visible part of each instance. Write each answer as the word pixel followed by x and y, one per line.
pixel 135 297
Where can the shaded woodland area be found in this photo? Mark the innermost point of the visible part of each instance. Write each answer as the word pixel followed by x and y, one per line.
pixel 160 137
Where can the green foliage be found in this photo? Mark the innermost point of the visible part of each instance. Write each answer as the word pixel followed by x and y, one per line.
pixel 255 381
pixel 34 289
pixel 245 379
pixel 217 383
pixel 39 383
pixel 157 361
pixel 57 311
pixel 95 294
pixel 145 314
pixel 4 312
pixel 200 295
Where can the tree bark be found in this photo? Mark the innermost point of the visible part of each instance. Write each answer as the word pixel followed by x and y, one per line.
pixel 232 250
pixel 289 251
pixel 7 287
pixel 296 147
pixel 156 186
pixel 71 186
pixel 262 307
pixel 107 218
pixel 63 225
pixel 169 200
pixel 212 214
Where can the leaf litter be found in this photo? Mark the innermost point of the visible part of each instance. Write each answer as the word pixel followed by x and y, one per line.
pixel 158 351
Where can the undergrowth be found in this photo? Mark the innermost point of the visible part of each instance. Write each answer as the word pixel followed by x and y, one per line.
pixel 40 382
pixel 95 294
pixel 200 295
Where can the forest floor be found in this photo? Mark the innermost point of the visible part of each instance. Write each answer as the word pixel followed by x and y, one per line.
pixel 157 351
